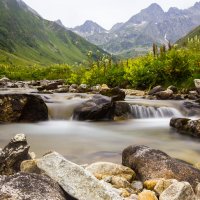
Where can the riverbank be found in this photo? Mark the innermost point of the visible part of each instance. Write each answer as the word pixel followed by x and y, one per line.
pixel 145 173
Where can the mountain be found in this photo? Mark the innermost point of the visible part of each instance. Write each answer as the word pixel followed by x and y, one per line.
pixel 151 25
pixel 26 37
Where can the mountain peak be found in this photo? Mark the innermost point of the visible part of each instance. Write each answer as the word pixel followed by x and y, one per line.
pixel 155 7
pixel 197 5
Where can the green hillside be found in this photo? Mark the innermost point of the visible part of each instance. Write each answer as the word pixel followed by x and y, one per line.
pixel 26 38
pixel 192 35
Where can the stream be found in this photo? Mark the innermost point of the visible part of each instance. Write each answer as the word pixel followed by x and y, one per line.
pixel 87 142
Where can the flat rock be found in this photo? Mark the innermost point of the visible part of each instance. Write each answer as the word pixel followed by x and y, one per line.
pixel 178 191
pixel 13 154
pixel 24 186
pixel 74 179
pixel 151 164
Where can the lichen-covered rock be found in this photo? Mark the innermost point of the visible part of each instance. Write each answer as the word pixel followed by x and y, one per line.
pixel 103 169
pixel 163 185
pixel 150 164
pixel 178 191
pixel 74 179
pixel 186 126
pixel 30 166
pixel 24 186
pixel 13 154
pixel 147 195
pixel 115 93
pixel 22 108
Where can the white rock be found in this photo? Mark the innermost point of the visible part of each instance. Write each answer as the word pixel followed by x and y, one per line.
pixel 74 179
pixel 178 191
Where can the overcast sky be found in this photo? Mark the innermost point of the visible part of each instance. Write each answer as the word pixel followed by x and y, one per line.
pixel 105 12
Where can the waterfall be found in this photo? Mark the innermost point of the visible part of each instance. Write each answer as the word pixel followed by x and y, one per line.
pixel 139 111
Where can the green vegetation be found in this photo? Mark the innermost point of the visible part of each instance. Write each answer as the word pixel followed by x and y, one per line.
pixel 176 66
pixel 28 39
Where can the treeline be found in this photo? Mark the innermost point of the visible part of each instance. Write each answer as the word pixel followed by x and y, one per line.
pixel 163 66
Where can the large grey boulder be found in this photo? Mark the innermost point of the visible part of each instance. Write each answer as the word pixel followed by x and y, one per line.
pixel 74 179
pixel 13 154
pixel 151 164
pixel 186 126
pixel 22 108
pixel 24 186
pixel 178 191
pixel 98 108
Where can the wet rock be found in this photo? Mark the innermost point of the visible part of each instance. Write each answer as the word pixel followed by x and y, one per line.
pixel 103 169
pixel 192 108
pixel 74 179
pixel 23 186
pixel 30 166
pixel 22 108
pixel 165 95
pixel 83 88
pixel 178 191
pixel 147 195
pixel 13 154
pixel 122 111
pixel 163 185
pixel 99 108
pixel 186 126
pixel 151 164
pixel 115 93
pixel 155 90
pixel 50 86
pixel 63 89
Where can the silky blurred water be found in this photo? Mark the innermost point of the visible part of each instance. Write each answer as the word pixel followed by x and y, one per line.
pixel 86 142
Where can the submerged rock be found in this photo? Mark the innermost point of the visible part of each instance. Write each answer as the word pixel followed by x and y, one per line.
pixel 186 126
pixel 22 108
pixel 151 164
pixel 24 186
pixel 178 191
pixel 74 179
pixel 13 154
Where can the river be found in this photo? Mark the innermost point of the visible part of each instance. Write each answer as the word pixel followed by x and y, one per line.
pixel 86 142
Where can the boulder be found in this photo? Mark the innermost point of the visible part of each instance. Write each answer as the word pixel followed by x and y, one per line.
pixel 22 186
pixel 192 108
pixel 13 154
pixel 103 169
pixel 83 88
pixel 22 108
pixel 115 93
pixel 178 191
pixel 164 95
pixel 98 108
pixel 122 111
pixel 50 85
pixel 155 90
pixel 151 164
pixel 186 126
pixel 74 179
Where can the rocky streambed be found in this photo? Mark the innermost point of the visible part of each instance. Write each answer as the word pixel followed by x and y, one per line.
pixel 145 173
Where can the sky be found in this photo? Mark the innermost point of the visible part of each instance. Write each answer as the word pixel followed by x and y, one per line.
pixel 104 12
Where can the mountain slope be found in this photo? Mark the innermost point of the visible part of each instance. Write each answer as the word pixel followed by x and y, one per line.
pixel 29 37
pixel 151 25
pixel 183 41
